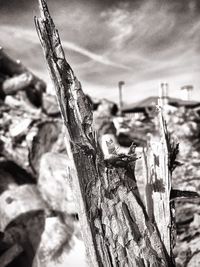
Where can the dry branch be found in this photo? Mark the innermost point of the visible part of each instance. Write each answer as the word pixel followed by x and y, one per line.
pixel 115 225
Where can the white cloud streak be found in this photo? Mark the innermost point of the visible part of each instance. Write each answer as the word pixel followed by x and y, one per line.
pixel 30 36
pixel 141 44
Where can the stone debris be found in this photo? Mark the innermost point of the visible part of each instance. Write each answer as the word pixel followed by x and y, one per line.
pixel 38 225
pixel 38 213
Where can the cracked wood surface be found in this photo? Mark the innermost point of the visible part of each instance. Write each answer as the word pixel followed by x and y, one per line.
pixel 158 183
pixel 115 226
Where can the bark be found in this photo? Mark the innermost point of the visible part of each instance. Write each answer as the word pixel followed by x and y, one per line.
pixel 115 225
pixel 158 184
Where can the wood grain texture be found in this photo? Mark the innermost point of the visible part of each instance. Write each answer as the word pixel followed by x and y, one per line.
pixel 115 226
pixel 158 183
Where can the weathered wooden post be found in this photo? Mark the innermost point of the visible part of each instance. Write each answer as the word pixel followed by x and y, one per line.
pixel 158 160
pixel 115 225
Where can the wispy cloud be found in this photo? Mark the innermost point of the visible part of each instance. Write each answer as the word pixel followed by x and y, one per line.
pixel 31 37
pixel 155 37
pixel 98 58
pixel 141 42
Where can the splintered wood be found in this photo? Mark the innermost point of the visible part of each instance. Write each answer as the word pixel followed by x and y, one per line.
pixel 116 228
pixel 158 182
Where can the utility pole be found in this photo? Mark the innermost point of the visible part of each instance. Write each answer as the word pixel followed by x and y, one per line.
pixel 120 84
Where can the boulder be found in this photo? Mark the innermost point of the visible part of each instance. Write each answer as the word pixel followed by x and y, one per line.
pixel 50 106
pixel 17 201
pixel 54 183
pixel 45 137
pixel 59 246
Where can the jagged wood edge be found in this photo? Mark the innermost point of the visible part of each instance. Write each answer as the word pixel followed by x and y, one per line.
pixel 77 118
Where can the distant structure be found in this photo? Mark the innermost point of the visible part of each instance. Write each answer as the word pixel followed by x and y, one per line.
pixel 163 94
pixel 147 105
pixel 120 84
pixel 187 92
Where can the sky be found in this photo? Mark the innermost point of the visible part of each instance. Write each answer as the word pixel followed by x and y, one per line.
pixel 140 42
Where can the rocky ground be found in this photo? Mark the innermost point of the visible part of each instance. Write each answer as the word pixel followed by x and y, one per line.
pixel 185 126
pixel 36 200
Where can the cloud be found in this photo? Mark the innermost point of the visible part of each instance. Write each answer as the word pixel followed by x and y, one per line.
pixel 141 42
pixel 30 36
pixel 156 38
pixel 98 58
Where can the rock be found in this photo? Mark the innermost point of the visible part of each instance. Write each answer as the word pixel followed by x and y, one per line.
pixel 12 175
pixel 43 141
pixel 35 96
pixel 59 246
pixel 25 231
pixel 10 255
pixel 20 128
pixel 16 78
pixel 195 260
pixel 130 130
pixel 18 82
pixel 54 183
pixel 50 106
pixel 59 146
pixel 17 201
pixel 196 222
pixel 106 108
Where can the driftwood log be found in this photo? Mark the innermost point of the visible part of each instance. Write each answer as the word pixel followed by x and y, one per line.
pixel 116 227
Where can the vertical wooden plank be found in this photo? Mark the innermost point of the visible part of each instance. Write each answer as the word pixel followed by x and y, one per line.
pixel 158 182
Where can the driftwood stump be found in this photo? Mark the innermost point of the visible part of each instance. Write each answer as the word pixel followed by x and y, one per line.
pixel 116 227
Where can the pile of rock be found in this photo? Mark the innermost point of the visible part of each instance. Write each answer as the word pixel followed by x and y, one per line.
pixel 185 126
pixel 38 225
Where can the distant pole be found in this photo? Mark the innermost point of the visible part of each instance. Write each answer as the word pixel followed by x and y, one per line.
pixel 120 84
pixel 163 94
